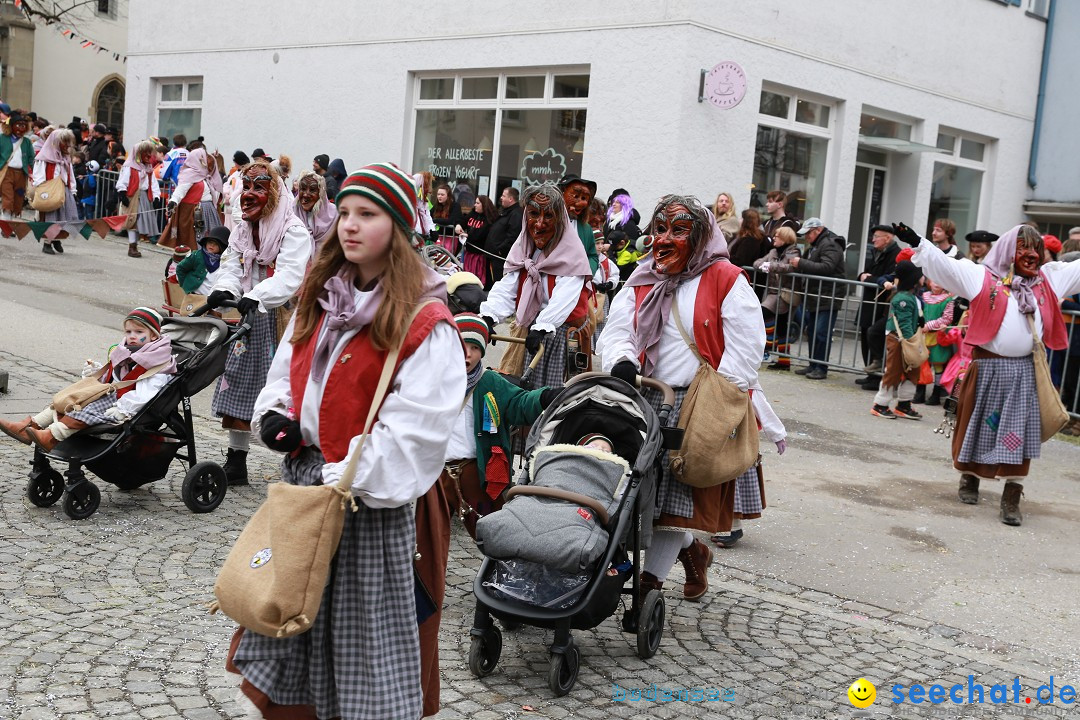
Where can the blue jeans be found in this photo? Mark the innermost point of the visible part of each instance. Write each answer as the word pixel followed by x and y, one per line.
pixel 818 325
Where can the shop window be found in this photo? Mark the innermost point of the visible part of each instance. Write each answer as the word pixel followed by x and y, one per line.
pixel 871 125
pixel 957 183
pixel 791 151
pixel 533 132
pixel 179 107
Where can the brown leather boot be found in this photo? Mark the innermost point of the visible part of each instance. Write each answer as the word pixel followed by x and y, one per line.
pixel 969 489
pixel 696 560
pixel 44 439
pixel 17 429
pixel 648 582
pixel 133 250
pixel 1010 504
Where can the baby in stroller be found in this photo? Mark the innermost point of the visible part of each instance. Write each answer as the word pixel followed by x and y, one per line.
pixel 140 364
pixel 562 521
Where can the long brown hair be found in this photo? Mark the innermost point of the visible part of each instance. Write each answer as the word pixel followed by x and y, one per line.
pixel 751 225
pixel 402 282
pixel 441 211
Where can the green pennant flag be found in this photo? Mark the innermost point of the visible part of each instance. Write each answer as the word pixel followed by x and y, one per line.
pixel 86 231
pixel 38 228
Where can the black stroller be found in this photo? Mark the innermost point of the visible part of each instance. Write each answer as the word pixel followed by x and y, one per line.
pixel 140 451
pixel 588 401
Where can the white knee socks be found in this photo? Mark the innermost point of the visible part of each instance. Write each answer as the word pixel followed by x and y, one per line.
pixel 239 440
pixel 664 551
pixel 133 236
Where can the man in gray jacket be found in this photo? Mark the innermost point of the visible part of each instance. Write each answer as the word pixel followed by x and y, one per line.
pixel 823 297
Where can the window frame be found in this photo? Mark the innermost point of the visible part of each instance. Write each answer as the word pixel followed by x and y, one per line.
pixel 184 103
pixel 954 159
pixel 504 107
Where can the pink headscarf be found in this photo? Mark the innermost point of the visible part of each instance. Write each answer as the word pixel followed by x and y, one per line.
pixel 50 152
pixel 132 162
pixel 999 262
pixel 563 257
pixel 200 167
pixel 154 353
pixel 272 231
pixel 656 307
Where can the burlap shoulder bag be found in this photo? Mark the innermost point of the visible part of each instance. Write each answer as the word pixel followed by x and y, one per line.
pixel 1052 413
pixel 914 348
pixel 81 393
pixel 273 579
pixel 721 433
pixel 48 196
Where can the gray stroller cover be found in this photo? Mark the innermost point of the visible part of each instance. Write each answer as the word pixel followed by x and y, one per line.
pixel 556 533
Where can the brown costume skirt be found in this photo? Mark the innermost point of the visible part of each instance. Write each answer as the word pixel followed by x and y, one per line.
pixel 964 409
pixel 714 510
pixel 180 229
pixel 433 545
pixel 894 364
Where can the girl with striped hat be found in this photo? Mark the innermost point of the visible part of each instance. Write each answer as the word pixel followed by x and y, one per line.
pixel 361 658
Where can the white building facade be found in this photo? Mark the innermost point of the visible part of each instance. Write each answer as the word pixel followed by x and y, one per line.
pixel 861 112
pixel 74 79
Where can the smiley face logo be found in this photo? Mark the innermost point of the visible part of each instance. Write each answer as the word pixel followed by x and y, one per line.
pixel 862 693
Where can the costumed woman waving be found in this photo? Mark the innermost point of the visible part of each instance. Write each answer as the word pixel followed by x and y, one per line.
pixel 1013 294
pixel 545 287
pixel 262 267
pixel 687 274
pixel 361 658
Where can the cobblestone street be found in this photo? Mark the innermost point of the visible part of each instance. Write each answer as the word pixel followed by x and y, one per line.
pixel 106 618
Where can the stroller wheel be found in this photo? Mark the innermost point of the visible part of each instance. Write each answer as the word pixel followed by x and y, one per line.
pixel 563 671
pixel 82 501
pixel 484 652
pixel 45 488
pixel 204 487
pixel 650 626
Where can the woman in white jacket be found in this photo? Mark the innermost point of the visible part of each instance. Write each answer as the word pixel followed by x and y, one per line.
pixel 53 161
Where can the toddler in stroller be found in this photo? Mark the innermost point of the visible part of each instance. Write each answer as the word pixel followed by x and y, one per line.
pixel 138 368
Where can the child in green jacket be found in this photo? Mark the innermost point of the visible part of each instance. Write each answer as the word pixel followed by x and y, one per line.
pixel 196 272
pixel 905 317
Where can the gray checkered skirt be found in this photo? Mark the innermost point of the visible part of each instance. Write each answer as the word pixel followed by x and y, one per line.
pixel 1005 426
pixel 673 497
pixel 748 499
pixel 68 212
pixel 146 219
pixel 361 658
pixel 551 370
pixel 94 413
pixel 246 368
pixel 211 219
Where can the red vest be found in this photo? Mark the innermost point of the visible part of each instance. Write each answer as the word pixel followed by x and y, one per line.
pixel 349 384
pixel 986 317
pixel 194 195
pixel 580 311
pixel 708 331
pixel 134 374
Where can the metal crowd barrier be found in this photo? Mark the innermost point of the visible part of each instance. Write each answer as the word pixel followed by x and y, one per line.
pixel 853 304
pixel 107 200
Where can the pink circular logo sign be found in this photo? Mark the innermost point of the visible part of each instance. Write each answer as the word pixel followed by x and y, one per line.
pixel 725 84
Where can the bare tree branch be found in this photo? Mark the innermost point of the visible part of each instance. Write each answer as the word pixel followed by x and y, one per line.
pixel 51 12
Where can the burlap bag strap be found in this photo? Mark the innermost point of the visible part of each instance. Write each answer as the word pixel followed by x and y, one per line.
pixel 377 399
pixel 685 336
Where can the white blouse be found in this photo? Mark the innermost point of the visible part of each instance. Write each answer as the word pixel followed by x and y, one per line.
pixel 405 452
pixel 965 278
pixel 289 269
pixel 502 300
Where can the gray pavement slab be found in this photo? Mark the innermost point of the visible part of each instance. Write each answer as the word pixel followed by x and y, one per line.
pixel 863 565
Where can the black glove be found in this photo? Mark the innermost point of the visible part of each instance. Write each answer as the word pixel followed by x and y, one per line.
pixel 533 340
pixel 906 234
pixel 548 395
pixel 280 433
pixel 247 305
pixel 491 329
pixel 604 287
pixel 170 209
pixel 625 370
pixel 214 299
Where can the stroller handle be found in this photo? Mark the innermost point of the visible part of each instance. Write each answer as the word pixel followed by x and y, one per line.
pixel 242 329
pixel 663 388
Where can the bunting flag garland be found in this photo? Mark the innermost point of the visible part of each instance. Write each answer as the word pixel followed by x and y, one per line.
pixel 49 230
pixel 89 44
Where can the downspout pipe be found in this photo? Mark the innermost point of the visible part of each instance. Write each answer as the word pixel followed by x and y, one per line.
pixel 1033 161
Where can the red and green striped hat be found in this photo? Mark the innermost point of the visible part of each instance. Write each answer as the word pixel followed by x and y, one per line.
pixel 147 317
pixel 473 329
pixel 388 187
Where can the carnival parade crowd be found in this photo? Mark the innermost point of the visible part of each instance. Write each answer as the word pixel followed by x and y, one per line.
pixel 339 271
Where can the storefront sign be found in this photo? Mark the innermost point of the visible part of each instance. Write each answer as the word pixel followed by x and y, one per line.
pixel 725 85
pixel 545 166
pixel 456 162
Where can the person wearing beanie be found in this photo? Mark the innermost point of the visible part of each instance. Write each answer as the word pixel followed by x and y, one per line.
pixel 320 164
pixel 143 357
pixel 261 270
pixel 597 441
pixel 198 271
pixel 475 475
pixel 366 293
pixel 905 317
